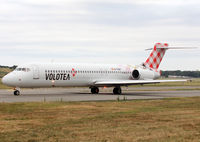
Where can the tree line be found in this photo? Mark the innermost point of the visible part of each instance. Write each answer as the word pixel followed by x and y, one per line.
pixel 12 67
pixel 195 74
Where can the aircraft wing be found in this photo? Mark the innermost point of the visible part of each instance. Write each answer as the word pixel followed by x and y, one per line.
pixel 133 82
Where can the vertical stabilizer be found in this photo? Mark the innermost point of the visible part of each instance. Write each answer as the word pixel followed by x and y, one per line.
pixel 156 56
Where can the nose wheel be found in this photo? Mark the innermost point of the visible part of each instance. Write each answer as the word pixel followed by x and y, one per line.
pixel 16 92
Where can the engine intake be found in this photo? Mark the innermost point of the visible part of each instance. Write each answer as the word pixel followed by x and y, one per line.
pixel 136 74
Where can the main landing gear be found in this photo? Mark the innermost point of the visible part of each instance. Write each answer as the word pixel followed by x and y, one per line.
pixel 117 90
pixel 17 92
pixel 94 90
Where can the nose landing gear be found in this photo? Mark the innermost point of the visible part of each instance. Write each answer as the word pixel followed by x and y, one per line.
pixel 17 92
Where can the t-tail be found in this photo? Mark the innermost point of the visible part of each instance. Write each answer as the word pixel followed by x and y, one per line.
pixel 157 54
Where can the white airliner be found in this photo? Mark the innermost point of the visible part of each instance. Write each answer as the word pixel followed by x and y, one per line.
pixel 39 75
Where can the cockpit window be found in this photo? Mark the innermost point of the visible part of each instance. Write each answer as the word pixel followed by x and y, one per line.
pixel 23 69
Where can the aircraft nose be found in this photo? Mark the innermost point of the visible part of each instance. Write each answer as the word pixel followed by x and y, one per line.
pixel 8 80
pixel 5 80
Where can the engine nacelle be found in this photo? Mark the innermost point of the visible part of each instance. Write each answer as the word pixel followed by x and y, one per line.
pixel 141 74
pixel 136 74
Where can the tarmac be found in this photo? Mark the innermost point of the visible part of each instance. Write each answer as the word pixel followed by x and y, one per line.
pixel 83 94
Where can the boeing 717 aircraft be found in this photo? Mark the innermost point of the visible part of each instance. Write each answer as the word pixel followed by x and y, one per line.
pixel 37 75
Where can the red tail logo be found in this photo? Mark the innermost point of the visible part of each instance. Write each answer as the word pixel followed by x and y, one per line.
pixel 156 55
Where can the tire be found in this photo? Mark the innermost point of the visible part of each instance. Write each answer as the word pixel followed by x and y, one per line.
pixel 117 90
pixel 16 92
pixel 94 90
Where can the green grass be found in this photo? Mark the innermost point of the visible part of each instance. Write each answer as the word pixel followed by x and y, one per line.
pixel 193 82
pixel 176 119
pixel 4 71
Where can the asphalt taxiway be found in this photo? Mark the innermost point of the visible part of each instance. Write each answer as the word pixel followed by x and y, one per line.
pixel 83 94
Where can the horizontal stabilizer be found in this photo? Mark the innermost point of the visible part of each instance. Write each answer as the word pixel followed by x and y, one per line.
pixel 173 48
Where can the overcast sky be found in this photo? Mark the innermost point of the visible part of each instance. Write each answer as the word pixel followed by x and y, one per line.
pixel 99 31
